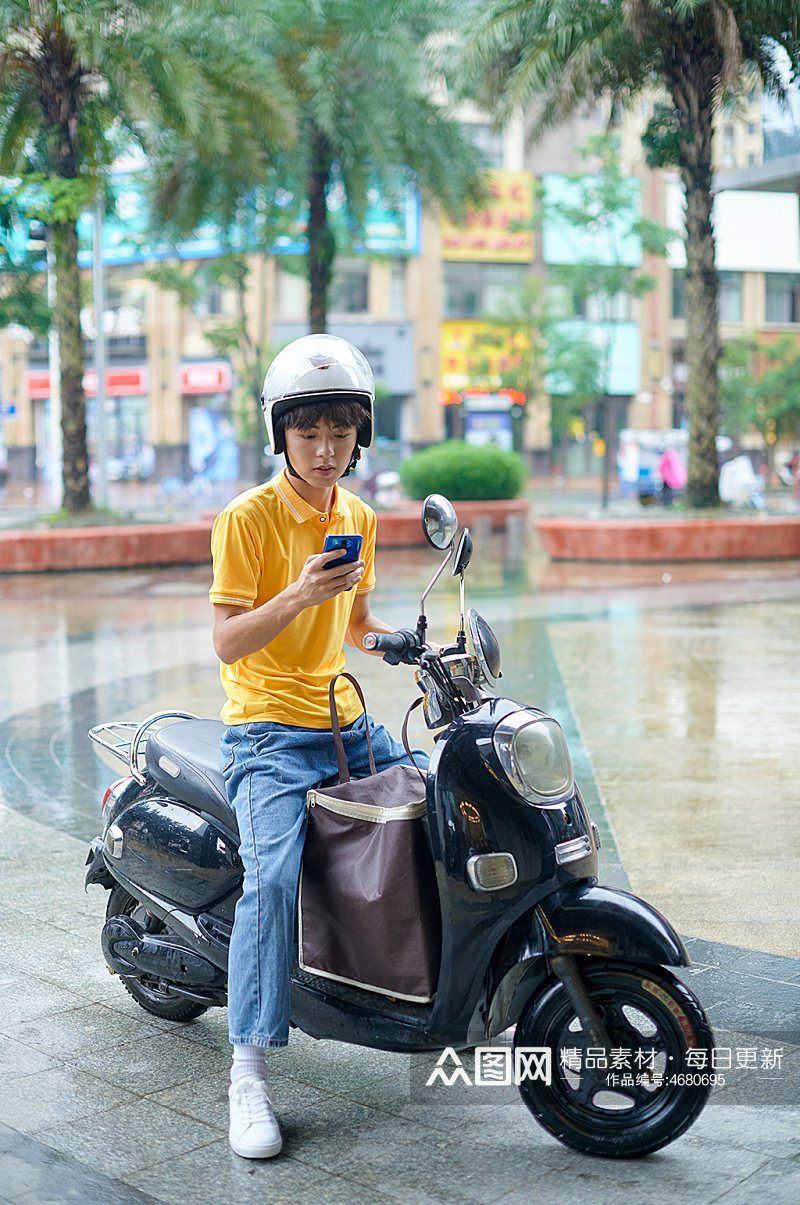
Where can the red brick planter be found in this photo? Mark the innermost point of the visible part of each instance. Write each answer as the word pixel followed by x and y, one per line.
pixel 140 545
pixel 105 547
pixel 759 537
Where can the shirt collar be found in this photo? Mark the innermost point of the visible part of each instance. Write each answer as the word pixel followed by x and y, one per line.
pixel 302 510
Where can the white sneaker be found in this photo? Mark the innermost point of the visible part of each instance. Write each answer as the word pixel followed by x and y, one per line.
pixel 253 1132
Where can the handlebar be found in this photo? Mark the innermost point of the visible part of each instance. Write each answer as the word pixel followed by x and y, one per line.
pixel 384 642
pixel 403 645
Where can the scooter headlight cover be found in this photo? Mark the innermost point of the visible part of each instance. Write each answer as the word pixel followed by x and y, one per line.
pixel 534 755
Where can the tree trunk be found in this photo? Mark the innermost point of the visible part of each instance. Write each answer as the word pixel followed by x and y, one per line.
pixel 321 241
pixel 60 77
pixel 690 75
pixel 70 345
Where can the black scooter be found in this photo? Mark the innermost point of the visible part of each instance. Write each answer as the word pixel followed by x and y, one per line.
pixel 607 1043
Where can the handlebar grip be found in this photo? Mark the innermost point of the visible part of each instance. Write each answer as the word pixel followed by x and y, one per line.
pixel 384 642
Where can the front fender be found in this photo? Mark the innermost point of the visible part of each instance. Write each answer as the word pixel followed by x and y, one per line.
pixel 588 921
pixel 606 923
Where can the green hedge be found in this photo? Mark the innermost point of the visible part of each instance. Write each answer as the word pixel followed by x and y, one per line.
pixel 463 472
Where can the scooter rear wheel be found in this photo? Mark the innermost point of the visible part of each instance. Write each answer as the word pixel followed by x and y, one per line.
pixel 145 989
pixel 655 1091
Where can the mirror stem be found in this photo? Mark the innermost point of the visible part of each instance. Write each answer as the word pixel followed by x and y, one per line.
pixel 434 580
pixel 462 635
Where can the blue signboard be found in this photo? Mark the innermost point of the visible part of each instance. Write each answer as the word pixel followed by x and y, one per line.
pixel 392 227
pixel 619 345
pixel 609 240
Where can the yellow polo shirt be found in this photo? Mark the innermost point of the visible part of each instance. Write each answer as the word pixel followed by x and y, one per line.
pixel 260 543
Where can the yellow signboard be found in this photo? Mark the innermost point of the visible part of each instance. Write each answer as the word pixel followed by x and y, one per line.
pixel 501 232
pixel 478 354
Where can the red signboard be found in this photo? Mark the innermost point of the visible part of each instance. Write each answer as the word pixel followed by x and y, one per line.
pixel 208 377
pixel 120 382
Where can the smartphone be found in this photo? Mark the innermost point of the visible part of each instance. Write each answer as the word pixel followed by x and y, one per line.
pixel 350 544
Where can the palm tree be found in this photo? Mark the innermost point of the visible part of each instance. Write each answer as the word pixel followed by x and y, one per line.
pixel 559 54
pixel 367 79
pixel 364 73
pixel 76 76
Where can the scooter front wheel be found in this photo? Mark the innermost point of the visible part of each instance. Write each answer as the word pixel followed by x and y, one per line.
pixel 144 988
pixel 648 1089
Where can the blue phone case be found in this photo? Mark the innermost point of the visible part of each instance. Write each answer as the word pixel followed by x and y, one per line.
pixel 350 544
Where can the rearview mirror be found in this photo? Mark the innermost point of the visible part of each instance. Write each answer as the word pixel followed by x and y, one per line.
pixel 463 553
pixel 439 521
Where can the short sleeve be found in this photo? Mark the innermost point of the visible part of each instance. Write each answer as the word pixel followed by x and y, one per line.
pixel 367 582
pixel 236 560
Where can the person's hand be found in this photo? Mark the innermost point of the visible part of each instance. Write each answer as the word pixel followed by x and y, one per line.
pixel 410 650
pixel 316 584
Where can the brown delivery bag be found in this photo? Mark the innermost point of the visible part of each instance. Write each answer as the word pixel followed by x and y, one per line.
pixel 368 907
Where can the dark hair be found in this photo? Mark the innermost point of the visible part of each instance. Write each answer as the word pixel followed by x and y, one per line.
pixel 308 414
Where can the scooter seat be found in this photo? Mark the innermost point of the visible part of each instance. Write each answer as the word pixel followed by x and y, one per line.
pixel 183 758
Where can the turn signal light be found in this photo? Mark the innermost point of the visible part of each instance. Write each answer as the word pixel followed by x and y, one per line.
pixel 490 872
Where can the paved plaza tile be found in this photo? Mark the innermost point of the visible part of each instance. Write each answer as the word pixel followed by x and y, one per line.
pixel 677 689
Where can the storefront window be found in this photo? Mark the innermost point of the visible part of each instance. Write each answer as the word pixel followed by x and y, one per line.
pixel 213 446
pixel 125 313
pixel 212 298
pixel 130 455
pixel 397 296
pixel 475 290
pixel 729 296
pixel 349 291
pixel 782 297
pixel 291 294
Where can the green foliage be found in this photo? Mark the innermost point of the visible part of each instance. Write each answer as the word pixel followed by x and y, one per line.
pixel 52 199
pixel 463 472
pixel 736 383
pixel 79 77
pixel 172 278
pixel 602 203
pixel 760 386
pixel 603 212
pixel 778 389
pixel 23 301
pixel 664 140
pixel 359 73
pixel 553 56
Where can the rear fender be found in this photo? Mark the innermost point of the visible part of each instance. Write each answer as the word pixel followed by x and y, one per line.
pixel 98 872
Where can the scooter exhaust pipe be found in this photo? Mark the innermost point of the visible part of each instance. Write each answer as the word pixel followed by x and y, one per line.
pixel 129 950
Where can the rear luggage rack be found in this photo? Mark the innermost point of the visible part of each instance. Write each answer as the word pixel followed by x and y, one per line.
pixel 126 739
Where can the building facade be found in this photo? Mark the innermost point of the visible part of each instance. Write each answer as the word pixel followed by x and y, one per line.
pixel 435 307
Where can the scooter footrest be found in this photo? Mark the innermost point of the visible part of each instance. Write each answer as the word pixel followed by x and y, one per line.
pixel 412 1014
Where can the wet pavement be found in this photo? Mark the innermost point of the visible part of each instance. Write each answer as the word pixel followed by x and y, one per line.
pixel 677 689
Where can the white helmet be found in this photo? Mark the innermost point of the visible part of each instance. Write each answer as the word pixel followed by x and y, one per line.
pixel 316 368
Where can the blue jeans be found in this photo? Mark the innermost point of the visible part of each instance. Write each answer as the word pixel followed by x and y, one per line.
pixel 268 769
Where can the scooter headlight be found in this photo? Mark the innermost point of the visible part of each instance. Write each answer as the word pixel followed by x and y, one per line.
pixel 533 753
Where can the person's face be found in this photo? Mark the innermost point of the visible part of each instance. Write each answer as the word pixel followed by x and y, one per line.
pixel 320 454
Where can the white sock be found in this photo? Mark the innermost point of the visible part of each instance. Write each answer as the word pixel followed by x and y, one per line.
pixel 248 1061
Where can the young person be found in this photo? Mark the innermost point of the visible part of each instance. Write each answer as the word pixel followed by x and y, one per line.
pixel 283 610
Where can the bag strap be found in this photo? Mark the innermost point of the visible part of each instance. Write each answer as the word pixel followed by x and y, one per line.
pixel 341 756
pixel 404 734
